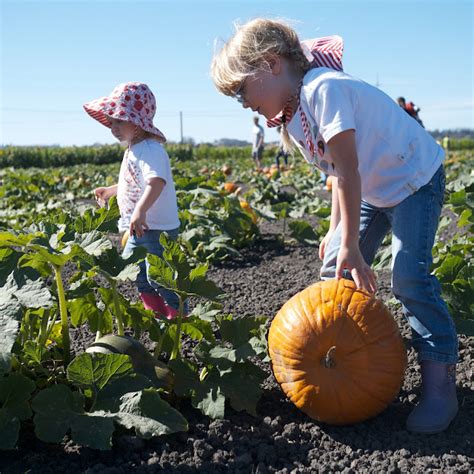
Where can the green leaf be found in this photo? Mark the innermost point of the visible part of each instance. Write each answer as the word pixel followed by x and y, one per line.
pixel 8 262
pixel 161 273
pixel 15 392
pixel 210 400
pixel 198 329
pixel 187 378
pixel 30 293
pixel 58 410
pixel 10 315
pixel 303 232
pixel 96 370
pixel 458 198
pixel 104 219
pixel 94 243
pixel 149 415
pixel 238 331
pixel 243 386
pixel 207 311
pixel 83 309
pixel 108 399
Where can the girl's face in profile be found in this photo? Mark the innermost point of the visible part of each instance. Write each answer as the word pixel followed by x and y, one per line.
pixel 122 131
pixel 265 92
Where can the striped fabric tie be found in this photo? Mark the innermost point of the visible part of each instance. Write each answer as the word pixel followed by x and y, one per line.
pixel 321 52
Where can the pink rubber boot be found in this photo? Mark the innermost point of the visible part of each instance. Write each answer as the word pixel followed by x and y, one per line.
pixel 157 304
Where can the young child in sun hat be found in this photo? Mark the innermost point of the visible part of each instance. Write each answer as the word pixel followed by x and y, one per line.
pixel 145 191
pixel 387 176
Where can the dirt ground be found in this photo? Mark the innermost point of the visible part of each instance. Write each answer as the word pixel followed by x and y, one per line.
pixel 280 438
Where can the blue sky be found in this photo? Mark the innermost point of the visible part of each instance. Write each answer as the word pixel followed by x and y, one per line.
pixel 58 55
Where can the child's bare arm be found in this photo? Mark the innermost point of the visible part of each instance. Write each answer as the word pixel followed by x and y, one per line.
pixel 344 153
pixel 152 192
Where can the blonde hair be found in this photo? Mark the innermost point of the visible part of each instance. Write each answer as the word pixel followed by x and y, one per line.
pixel 249 50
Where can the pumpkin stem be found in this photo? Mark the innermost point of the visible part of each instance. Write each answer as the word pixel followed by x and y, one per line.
pixel 328 360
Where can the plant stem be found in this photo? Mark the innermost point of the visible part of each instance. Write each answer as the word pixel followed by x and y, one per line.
pixel 158 346
pixel 63 313
pixel 118 310
pixel 175 353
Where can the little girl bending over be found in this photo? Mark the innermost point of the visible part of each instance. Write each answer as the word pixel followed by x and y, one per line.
pixel 145 191
pixel 387 176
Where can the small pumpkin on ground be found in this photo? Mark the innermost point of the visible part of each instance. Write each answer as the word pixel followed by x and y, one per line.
pixel 337 352
pixel 230 187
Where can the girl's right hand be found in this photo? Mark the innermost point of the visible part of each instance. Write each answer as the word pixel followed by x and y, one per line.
pixel 102 195
pixel 324 243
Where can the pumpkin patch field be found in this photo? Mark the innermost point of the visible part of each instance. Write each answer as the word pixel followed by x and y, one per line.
pixel 265 368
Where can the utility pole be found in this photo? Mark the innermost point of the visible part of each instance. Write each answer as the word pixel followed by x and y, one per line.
pixel 377 82
pixel 181 125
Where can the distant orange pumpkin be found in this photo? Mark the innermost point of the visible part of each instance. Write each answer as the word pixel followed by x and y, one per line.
pixel 248 209
pixel 230 187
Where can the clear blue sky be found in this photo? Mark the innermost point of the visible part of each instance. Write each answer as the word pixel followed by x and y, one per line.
pixel 58 55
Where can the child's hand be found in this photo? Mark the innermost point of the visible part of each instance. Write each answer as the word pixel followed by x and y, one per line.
pixel 324 244
pixel 102 195
pixel 351 259
pixel 138 224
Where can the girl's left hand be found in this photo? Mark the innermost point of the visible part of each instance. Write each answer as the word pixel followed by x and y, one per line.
pixel 138 224
pixel 352 260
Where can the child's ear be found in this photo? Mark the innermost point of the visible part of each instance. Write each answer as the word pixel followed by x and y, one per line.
pixel 274 62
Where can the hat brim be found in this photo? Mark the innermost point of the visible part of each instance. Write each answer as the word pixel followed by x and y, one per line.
pixel 96 108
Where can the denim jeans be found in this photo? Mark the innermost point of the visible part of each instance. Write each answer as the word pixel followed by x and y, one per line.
pixel 151 241
pixel 413 223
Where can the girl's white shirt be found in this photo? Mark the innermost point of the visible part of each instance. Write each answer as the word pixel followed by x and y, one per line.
pixel 142 161
pixel 396 155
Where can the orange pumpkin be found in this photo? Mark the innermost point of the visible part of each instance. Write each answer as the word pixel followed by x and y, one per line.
pixel 230 187
pixel 246 207
pixel 337 352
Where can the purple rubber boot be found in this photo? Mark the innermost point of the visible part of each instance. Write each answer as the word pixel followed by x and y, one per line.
pixel 438 405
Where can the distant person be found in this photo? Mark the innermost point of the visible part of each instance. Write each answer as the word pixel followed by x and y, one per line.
pixel 410 109
pixel 388 176
pixel 281 153
pixel 445 144
pixel 145 190
pixel 257 142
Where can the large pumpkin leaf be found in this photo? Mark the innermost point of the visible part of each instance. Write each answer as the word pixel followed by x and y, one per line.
pixel 58 411
pixel 209 399
pixel 103 219
pixel 108 399
pixel 303 232
pixel 15 392
pixel 243 386
pixel 94 371
pixel 149 415
pixel 10 315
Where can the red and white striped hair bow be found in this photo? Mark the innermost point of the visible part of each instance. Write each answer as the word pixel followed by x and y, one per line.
pixel 321 52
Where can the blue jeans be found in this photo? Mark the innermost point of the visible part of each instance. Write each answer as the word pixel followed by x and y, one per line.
pixel 413 223
pixel 151 241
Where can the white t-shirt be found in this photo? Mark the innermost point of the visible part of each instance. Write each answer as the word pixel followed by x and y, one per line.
pixel 258 135
pixel 396 155
pixel 142 161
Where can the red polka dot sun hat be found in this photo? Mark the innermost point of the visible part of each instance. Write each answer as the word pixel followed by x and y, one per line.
pixel 132 102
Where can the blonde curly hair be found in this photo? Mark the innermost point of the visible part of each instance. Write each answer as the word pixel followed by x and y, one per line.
pixel 249 50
